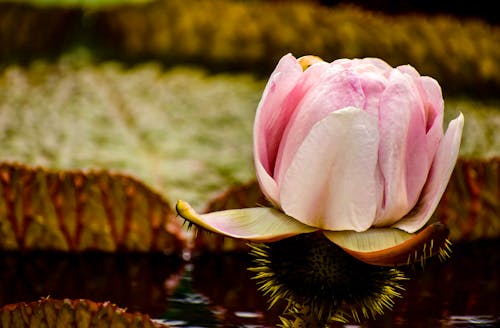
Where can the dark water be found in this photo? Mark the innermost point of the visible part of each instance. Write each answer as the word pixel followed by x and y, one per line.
pixel 217 290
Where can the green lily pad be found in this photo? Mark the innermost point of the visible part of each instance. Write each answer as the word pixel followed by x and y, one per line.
pixel 80 313
pixel 83 210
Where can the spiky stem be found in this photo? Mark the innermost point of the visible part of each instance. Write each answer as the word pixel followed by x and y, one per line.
pixel 321 283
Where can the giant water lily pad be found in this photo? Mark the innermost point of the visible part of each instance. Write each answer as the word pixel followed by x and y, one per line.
pixel 68 313
pixel 83 210
pixel 183 132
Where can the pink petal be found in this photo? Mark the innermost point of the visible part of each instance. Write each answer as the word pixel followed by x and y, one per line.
pixel 330 183
pixel 425 132
pixel 433 97
pixel 410 70
pixel 267 184
pixel 381 65
pixel 439 176
pixel 403 153
pixel 335 90
pixel 417 162
pixel 270 120
pixel 260 224
pixel 373 85
pixel 418 159
pixel 434 105
pixel 431 94
pixel 369 62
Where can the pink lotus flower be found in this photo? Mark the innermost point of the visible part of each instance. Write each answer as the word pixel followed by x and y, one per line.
pixel 353 148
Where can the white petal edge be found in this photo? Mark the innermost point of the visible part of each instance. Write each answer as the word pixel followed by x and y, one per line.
pixel 258 224
pixel 330 183
pixel 266 183
pixel 269 116
pixel 439 175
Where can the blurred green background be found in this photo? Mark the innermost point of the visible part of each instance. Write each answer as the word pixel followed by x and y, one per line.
pixel 166 90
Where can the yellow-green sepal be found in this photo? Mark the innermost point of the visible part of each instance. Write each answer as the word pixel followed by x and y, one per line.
pixel 390 246
pixel 257 224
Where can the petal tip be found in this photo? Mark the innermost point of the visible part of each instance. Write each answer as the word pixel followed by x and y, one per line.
pixel 184 210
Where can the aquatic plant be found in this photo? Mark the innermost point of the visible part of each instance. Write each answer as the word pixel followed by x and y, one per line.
pixel 353 159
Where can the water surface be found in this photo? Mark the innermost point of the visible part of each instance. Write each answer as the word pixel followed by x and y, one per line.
pixel 217 290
